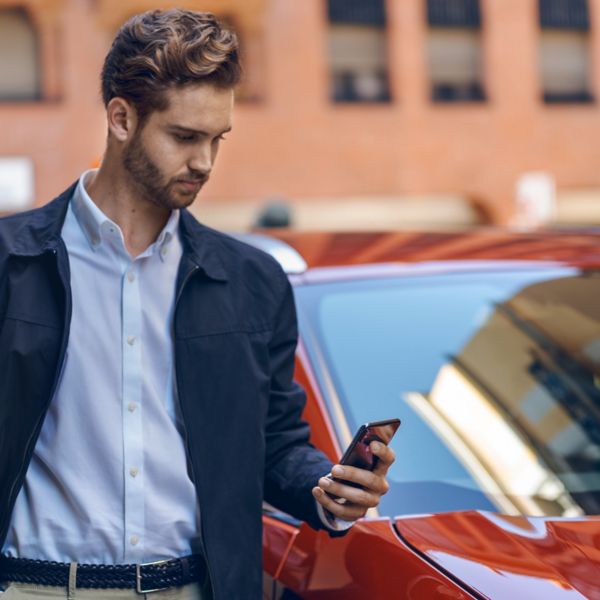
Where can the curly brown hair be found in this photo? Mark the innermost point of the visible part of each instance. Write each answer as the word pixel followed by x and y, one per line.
pixel 161 49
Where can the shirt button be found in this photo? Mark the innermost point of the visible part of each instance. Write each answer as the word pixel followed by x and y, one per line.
pixel 130 276
pixel 133 472
pixel 131 340
pixel 163 251
pixel 131 407
pixel 134 539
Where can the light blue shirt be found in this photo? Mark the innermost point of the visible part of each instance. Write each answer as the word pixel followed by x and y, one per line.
pixel 108 481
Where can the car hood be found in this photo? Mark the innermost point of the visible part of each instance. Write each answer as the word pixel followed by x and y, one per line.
pixel 500 556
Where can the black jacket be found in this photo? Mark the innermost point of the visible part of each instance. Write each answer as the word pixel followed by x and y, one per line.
pixel 235 336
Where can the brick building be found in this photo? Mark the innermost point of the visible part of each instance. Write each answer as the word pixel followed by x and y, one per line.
pixel 359 113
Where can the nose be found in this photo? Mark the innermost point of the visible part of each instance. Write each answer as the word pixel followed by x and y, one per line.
pixel 201 161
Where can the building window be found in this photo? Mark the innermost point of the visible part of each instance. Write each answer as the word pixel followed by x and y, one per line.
pixel 454 50
pixel 357 51
pixel 564 51
pixel 19 67
pixel 251 87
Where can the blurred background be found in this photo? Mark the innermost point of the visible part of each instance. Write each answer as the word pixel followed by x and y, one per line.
pixel 354 114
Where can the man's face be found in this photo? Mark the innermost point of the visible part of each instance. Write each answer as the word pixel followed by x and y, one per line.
pixel 170 158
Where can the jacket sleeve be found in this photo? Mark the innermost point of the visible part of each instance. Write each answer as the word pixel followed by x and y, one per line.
pixel 292 465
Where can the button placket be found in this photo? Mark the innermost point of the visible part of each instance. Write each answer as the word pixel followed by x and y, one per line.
pixel 133 441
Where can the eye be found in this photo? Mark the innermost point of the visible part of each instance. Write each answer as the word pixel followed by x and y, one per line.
pixel 217 140
pixel 221 138
pixel 184 138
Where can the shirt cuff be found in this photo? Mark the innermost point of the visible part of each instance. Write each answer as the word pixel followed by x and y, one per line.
pixel 330 521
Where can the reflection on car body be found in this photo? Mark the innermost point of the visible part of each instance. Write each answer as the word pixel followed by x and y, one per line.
pixel 491 358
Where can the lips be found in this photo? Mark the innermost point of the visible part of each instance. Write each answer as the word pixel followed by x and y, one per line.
pixel 191 185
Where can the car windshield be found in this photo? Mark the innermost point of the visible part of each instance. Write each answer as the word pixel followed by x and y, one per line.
pixel 495 376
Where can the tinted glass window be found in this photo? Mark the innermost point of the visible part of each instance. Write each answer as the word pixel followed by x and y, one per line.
pixel 495 376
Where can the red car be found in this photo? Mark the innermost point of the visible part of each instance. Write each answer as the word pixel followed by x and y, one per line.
pixel 487 346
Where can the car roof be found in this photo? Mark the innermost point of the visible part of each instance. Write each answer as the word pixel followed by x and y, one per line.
pixel 339 249
pixel 331 255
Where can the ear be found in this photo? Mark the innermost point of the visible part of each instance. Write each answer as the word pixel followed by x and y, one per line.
pixel 122 119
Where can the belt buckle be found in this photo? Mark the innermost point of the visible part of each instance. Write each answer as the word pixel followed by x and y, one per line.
pixel 138 576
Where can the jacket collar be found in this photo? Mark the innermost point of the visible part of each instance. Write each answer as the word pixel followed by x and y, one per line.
pixel 41 228
pixel 203 246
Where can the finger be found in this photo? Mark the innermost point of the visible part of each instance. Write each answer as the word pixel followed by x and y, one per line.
pixel 359 496
pixel 347 512
pixel 367 479
pixel 385 455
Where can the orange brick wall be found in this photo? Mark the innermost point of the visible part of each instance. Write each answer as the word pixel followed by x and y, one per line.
pixel 295 143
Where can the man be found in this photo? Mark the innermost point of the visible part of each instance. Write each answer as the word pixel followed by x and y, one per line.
pixel 146 396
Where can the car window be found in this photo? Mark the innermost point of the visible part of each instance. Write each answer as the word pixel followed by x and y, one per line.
pixel 495 376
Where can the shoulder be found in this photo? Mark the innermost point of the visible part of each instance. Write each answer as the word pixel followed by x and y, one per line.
pixel 14 229
pixel 241 262
pixel 257 269
pixel 30 231
pixel 243 252
pixel 12 223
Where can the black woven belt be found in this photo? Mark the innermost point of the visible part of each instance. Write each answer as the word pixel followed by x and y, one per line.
pixel 145 578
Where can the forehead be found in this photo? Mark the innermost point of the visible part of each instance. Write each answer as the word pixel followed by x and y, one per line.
pixel 203 107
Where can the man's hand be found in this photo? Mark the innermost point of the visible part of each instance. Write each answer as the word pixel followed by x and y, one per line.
pixel 357 501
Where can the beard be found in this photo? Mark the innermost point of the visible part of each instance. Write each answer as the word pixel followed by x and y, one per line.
pixel 150 182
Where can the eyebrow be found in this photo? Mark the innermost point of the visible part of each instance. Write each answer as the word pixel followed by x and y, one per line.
pixel 184 129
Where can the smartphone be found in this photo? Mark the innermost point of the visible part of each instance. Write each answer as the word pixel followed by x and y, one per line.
pixel 358 454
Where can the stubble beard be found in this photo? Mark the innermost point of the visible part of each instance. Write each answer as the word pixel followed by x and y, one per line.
pixel 148 180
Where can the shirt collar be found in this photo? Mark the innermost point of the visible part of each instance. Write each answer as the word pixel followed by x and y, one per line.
pixel 92 220
pixel 169 230
pixel 165 236
pixel 89 216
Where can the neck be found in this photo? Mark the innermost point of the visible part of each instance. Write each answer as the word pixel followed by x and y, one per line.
pixel 140 220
